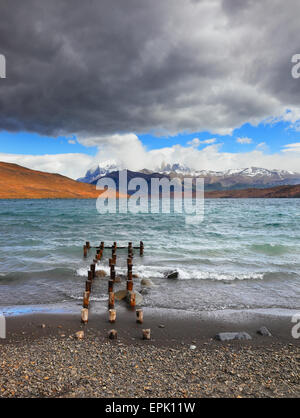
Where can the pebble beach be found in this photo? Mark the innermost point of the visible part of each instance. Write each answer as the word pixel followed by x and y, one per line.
pixel 42 358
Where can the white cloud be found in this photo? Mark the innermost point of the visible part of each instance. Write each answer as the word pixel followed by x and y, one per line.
pixel 295 147
pixel 129 152
pixel 244 140
pixel 70 165
pixel 196 141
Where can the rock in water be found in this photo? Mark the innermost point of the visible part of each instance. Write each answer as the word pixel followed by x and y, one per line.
pixel 121 294
pixel 146 282
pixel 227 336
pixel 171 274
pixel 100 273
pixel 138 297
pixel 264 331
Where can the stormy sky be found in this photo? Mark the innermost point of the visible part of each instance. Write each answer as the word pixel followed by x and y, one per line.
pixel 97 69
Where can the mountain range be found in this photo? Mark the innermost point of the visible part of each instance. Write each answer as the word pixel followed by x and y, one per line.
pixel 252 177
pixel 18 182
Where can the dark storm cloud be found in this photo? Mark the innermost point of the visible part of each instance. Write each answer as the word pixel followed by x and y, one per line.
pixel 95 68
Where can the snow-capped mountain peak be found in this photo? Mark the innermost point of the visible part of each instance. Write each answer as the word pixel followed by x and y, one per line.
pixel 100 170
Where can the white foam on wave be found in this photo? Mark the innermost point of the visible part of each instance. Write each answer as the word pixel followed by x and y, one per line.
pixel 83 271
pixel 148 272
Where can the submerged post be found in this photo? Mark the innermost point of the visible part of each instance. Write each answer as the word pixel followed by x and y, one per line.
pixel 93 269
pixel 141 248
pixel 84 251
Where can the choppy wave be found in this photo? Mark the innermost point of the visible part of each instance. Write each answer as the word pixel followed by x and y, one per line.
pixel 271 249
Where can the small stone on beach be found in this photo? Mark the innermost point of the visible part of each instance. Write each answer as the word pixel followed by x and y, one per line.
pixel 228 336
pixel 264 332
pixel 79 335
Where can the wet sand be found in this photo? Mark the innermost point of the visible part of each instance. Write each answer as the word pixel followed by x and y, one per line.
pixel 48 361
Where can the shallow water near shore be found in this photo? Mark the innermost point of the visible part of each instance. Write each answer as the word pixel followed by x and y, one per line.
pixel 245 255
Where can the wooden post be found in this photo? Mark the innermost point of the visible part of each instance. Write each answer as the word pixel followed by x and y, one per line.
pixel 88 286
pixel 84 251
pixel 132 299
pixel 129 247
pixel 112 334
pixel 110 286
pixel 93 269
pixel 114 258
pixel 139 316
pixel 129 285
pixel 112 272
pixel 102 245
pixel 86 299
pixel 112 315
pixel 84 315
pixel 90 275
pixel 146 334
pixel 88 246
pixel 129 269
pixel 141 248
pixel 111 300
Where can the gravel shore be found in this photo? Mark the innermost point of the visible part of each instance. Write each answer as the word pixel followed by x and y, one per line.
pixel 58 365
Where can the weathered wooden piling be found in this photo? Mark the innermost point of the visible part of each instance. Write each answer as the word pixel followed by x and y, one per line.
pixel 114 258
pixel 146 334
pixel 88 286
pixel 129 269
pixel 84 315
pixel 139 316
pixel 93 269
pixel 141 248
pixel 111 300
pixel 84 251
pixel 131 298
pixel 90 275
pixel 112 315
pixel 112 334
pixel 111 262
pixel 129 285
pixel 88 246
pixel 110 286
pixel 86 299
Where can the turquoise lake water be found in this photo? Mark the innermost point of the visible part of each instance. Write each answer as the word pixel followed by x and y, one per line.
pixel 244 255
